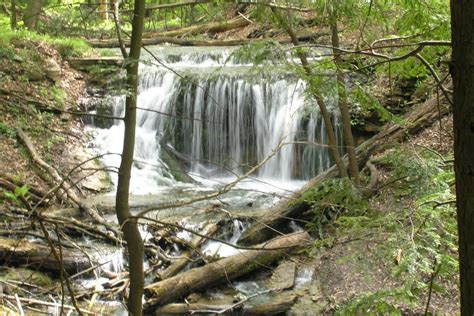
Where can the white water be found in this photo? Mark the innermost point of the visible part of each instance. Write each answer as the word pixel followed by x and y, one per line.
pixel 224 124
pixel 304 276
pixel 221 250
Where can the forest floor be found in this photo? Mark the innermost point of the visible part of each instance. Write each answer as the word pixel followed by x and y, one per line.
pixel 353 264
pixel 37 90
pixel 358 269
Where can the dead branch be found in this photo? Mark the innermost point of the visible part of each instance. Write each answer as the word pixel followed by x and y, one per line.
pixel 58 180
pixel 197 241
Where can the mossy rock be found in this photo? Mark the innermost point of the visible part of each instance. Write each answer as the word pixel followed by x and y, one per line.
pixel 34 72
pixel 25 275
pixel 176 169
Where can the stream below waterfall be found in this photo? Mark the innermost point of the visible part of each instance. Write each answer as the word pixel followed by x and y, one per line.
pixel 219 118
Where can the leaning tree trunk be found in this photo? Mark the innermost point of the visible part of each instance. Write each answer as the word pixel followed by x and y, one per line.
pixel 462 12
pixel 127 222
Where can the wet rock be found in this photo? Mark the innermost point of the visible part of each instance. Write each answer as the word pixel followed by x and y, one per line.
pixel 283 276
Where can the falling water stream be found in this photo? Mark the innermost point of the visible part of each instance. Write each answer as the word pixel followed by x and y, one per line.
pixel 222 119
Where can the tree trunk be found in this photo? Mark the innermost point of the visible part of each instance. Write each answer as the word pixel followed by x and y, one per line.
pixel 13 21
pixel 343 107
pixel 279 216
pixel 315 93
pixel 32 13
pixel 127 222
pixel 103 12
pixel 462 12
pixel 226 269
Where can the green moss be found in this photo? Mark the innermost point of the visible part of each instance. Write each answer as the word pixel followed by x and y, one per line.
pixel 7 130
pixel 26 275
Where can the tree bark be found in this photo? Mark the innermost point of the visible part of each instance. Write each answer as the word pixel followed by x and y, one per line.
pixel 13 22
pixel 226 269
pixel 276 306
pixel 127 222
pixel 421 116
pixel 103 12
pixel 343 106
pixel 39 256
pixel 462 12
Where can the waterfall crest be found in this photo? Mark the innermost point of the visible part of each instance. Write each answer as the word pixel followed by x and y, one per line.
pixel 224 122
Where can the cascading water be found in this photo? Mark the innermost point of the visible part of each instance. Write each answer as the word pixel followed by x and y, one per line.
pixel 221 119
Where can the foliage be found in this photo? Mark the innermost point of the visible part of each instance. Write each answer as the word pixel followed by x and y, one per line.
pixel 419 233
pixel 260 53
pixel 17 194
pixel 331 199
pixel 363 103
pixel 66 46
pixel 7 130
pixel 372 304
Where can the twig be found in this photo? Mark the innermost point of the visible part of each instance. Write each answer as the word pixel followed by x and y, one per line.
pixel 40 302
pixel 430 291
pixel 18 304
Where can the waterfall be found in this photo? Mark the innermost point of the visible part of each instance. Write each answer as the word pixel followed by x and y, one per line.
pixel 224 122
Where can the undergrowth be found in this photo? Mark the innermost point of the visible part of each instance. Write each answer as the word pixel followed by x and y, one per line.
pixel 66 46
pixel 411 223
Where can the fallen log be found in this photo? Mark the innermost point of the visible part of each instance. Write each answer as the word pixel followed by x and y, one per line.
pixel 180 264
pixel 39 256
pixel 196 2
pixel 213 27
pixel 276 306
pixel 277 219
pixel 223 270
pixel 31 188
pixel 189 42
pixel 82 62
